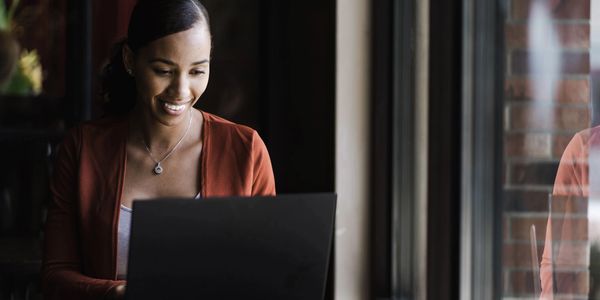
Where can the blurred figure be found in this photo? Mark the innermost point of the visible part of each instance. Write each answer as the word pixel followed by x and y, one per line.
pixel 565 266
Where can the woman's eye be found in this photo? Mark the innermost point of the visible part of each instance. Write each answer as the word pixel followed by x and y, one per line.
pixel 162 72
pixel 197 72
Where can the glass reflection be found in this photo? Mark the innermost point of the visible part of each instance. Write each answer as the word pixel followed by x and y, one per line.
pixel 552 205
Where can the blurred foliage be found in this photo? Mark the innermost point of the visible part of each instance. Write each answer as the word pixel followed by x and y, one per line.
pixel 25 74
pixel 27 78
pixel 6 16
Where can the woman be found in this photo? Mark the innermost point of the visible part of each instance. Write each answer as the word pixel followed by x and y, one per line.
pixel 565 268
pixel 155 144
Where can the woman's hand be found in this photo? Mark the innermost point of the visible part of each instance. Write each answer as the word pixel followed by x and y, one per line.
pixel 117 293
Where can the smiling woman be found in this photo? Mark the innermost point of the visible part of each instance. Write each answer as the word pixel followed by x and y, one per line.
pixel 152 143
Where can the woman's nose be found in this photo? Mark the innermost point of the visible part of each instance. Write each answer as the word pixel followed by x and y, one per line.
pixel 180 87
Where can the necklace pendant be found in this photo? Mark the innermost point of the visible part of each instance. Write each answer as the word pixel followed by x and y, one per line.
pixel 157 169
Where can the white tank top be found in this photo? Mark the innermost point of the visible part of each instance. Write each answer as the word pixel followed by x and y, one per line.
pixel 123 241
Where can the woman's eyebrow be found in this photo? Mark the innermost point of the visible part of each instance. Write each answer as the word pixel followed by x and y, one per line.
pixel 205 61
pixel 168 62
pixel 162 60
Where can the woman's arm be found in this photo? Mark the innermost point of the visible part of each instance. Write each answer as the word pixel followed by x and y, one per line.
pixel 560 252
pixel 61 266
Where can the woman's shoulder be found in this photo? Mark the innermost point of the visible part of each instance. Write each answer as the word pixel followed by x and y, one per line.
pixel 104 124
pixel 583 140
pixel 98 130
pixel 220 127
pixel 576 152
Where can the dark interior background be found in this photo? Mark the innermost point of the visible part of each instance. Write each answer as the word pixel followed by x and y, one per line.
pixel 272 69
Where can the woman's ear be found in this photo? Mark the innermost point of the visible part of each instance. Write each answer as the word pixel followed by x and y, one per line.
pixel 127 59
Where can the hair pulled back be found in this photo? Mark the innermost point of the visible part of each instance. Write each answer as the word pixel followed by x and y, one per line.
pixel 150 20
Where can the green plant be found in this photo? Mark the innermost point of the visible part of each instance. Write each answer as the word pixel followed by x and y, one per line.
pixel 6 16
pixel 21 71
pixel 27 78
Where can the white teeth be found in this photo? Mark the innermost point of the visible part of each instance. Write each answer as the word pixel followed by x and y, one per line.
pixel 174 107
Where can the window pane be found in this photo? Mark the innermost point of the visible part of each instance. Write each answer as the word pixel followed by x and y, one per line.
pixel 551 230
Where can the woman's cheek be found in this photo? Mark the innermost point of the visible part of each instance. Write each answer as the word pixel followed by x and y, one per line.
pixel 155 85
pixel 204 84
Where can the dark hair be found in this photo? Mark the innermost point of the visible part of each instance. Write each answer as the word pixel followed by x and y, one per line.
pixel 150 20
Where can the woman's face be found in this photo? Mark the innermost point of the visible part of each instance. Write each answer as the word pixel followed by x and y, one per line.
pixel 171 73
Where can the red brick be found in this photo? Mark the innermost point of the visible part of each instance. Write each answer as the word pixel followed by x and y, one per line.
pixel 571 62
pixel 569 35
pixel 572 118
pixel 573 282
pixel 527 145
pixel 573 91
pixel 578 259
pixel 559 9
pixel 520 283
pixel 567 90
pixel 559 144
pixel 526 201
pixel 533 173
pixel 564 205
pixel 578 230
pixel 518 255
pixel 520 227
pixel 549 118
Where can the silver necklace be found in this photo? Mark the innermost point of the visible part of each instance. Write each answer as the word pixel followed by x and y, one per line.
pixel 158 169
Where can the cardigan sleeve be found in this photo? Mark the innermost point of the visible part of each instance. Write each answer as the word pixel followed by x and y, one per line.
pixel 572 169
pixel 560 253
pixel 62 276
pixel 263 180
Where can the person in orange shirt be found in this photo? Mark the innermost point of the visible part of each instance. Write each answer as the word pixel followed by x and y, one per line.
pixel 565 267
pixel 154 143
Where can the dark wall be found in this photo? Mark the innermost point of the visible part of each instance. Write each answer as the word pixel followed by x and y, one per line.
pixel 273 68
pixel 233 89
pixel 300 88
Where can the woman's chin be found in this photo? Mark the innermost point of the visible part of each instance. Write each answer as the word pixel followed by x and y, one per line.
pixel 170 118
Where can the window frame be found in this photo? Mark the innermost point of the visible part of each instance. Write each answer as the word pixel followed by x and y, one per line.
pixel 482 144
pixel 464 151
pixel 395 270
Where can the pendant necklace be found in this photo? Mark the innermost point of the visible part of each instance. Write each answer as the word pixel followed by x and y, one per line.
pixel 158 168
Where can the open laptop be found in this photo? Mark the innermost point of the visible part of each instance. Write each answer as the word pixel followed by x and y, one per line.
pixel 231 248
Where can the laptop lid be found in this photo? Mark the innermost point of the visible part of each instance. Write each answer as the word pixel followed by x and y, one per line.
pixel 231 248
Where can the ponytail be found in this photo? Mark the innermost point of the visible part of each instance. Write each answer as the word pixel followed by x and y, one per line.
pixel 118 90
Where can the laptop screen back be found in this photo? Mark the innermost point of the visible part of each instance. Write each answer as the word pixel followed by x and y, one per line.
pixel 231 248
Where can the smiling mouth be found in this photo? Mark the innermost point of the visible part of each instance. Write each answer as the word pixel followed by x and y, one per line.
pixel 173 106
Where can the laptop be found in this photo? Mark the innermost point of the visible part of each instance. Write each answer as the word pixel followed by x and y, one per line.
pixel 231 248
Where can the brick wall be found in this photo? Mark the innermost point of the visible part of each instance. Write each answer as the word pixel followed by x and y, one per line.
pixel 537 131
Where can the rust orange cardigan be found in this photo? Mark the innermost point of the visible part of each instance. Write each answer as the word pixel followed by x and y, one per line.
pixel 572 181
pixel 80 246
